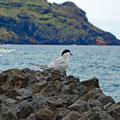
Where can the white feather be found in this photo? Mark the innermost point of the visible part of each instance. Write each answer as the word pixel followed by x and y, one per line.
pixel 60 63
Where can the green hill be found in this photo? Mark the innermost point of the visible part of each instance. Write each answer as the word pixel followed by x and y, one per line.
pixel 40 22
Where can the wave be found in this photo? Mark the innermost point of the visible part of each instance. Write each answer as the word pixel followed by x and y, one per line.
pixel 6 50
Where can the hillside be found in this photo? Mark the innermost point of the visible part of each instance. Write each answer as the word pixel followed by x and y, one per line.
pixel 40 22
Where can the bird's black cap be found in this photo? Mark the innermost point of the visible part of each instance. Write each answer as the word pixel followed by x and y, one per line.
pixel 65 51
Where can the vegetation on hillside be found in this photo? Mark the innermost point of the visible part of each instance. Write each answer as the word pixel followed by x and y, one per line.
pixel 40 22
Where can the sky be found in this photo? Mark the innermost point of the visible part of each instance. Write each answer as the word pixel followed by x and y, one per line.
pixel 104 14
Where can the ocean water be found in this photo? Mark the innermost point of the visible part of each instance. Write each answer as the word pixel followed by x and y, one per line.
pixel 102 62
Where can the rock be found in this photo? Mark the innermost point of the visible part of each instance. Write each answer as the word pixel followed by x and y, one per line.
pixel 28 71
pixel 24 93
pixel 71 79
pixel 73 115
pixel 48 90
pixel 97 115
pixel 40 101
pixel 12 94
pixel 114 111
pixel 72 99
pixel 44 114
pixel 3 78
pixel 92 94
pixel 52 95
pixel 39 86
pixel 91 84
pixel 82 90
pixel 65 88
pixel 107 105
pixel 54 75
pixel 92 103
pixel 24 110
pixel 54 102
pixel 31 76
pixel 105 99
pixel 79 106
pixel 2 91
pixel 62 114
pixel 13 76
pixel 9 102
pixel 6 113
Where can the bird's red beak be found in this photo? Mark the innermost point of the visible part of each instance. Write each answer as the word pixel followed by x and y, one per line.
pixel 71 54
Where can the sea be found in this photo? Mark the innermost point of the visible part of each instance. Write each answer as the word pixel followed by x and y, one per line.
pixel 102 62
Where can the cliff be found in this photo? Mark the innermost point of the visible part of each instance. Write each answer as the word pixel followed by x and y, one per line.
pixel 40 22
pixel 52 95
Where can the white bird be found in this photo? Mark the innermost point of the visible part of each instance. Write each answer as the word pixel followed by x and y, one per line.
pixel 60 63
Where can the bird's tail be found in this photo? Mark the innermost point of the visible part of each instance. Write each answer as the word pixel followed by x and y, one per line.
pixel 41 66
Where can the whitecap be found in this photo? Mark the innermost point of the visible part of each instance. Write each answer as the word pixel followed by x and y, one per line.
pixel 6 50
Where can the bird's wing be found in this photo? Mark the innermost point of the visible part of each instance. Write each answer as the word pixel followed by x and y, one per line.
pixel 58 64
pixel 61 62
pixel 54 61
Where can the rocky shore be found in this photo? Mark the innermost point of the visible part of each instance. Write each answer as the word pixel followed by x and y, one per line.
pixel 51 95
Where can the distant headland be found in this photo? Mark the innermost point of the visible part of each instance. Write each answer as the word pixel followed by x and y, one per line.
pixel 40 22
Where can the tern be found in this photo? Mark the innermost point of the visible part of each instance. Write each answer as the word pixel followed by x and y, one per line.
pixel 60 63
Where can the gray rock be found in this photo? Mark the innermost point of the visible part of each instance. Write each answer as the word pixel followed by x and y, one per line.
pixel 73 115
pixel 71 79
pixel 9 102
pixel 21 109
pixel 24 110
pixel 6 113
pixel 82 90
pixel 65 88
pixel 3 78
pixel 24 93
pixel 39 86
pixel 91 83
pixel 54 102
pixel 44 114
pixel 13 94
pixel 40 101
pixel 15 76
pixel 2 91
pixel 92 103
pixel 49 90
pixel 105 99
pixel 72 98
pixel 63 114
pixel 114 111
pixel 28 71
pixel 97 115
pixel 108 105
pixel 96 108
pixel 63 96
pixel 79 106
pixel 51 95
pixel 92 94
